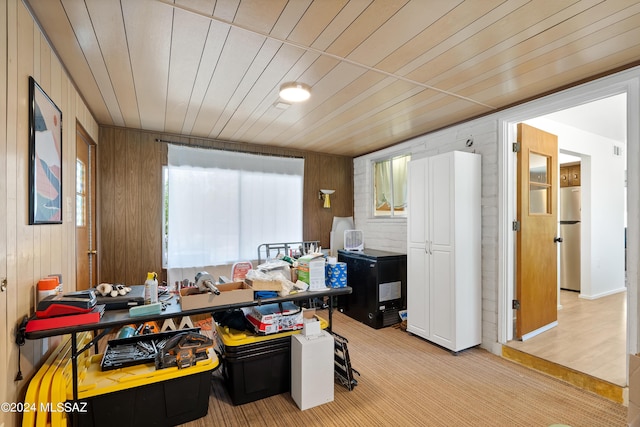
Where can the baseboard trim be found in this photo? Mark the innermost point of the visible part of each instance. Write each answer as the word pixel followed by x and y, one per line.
pixel 539 330
pixel 581 380
pixel 603 294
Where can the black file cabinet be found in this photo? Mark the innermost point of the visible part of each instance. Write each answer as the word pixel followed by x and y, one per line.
pixel 379 286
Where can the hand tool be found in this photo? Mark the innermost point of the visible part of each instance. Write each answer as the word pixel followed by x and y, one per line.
pixel 204 282
pixel 184 350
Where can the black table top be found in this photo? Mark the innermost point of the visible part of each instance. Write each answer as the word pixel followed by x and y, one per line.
pixel 113 318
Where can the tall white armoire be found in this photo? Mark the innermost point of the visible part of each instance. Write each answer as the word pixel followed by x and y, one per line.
pixel 444 291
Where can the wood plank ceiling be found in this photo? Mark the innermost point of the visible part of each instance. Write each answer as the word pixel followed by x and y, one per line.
pixel 380 71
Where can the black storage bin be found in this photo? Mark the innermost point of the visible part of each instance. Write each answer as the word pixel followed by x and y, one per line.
pixel 165 403
pixel 257 370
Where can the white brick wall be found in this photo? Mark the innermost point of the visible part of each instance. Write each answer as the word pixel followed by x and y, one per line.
pixel 391 234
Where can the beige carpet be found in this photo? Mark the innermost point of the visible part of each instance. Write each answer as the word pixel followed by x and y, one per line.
pixel 406 381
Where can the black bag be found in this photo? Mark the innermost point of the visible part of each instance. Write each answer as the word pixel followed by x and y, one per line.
pixel 235 319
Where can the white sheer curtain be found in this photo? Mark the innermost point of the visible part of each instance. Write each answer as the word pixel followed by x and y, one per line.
pixel 400 169
pixel 223 204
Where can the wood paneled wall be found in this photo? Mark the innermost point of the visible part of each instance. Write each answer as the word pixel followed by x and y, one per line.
pixel 29 252
pixel 130 197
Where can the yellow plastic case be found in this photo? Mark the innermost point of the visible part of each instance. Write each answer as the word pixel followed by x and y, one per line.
pixel 97 382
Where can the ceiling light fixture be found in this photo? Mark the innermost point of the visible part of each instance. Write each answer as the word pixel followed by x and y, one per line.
pixel 295 92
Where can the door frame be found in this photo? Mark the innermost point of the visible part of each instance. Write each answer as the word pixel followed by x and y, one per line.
pixel 624 82
pixel 81 133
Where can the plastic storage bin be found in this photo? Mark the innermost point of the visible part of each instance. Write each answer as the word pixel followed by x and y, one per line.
pixel 141 395
pixel 255 366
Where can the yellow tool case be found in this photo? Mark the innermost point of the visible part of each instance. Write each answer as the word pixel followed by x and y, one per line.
pixel 141 395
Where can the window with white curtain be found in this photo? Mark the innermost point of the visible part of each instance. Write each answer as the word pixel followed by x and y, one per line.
pixel 390 186
pixel 221 205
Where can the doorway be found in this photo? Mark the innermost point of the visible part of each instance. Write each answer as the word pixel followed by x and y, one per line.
pixel 593 291
pixel 86 238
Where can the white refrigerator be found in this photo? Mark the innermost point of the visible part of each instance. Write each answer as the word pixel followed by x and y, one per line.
pixel 570 233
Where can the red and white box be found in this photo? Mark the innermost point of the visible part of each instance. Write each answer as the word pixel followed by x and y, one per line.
pixel 274 318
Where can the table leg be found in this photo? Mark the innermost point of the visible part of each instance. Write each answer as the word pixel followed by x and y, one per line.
pixel 74 365
pixel 330 313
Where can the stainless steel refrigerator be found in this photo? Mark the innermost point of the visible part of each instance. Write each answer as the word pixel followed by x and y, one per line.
pixel 570 233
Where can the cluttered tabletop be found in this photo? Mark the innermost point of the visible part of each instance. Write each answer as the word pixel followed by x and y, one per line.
pixel 171 305
pixel 108 305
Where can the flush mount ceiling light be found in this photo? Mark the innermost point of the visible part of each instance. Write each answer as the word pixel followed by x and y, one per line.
pixel 295 92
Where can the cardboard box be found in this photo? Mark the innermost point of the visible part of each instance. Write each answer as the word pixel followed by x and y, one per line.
pixel 311 270
pixel 230 293
pixel 264 285
pixel 273 318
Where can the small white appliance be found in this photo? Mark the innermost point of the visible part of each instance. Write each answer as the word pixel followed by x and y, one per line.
pixel 353 240
pixel 340 224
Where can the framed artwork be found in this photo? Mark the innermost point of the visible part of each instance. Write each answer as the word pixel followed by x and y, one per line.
pixel 45 158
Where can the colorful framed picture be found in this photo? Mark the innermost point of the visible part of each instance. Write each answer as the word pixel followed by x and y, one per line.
pixel 45 158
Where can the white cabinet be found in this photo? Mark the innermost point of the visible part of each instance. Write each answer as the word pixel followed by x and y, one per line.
pixel 444 293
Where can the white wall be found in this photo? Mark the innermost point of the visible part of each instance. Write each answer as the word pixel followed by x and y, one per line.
pixel 391 234
pixel 492 139
pixel 602 179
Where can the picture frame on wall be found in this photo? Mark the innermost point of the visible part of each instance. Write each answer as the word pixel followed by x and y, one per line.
pixel 45 157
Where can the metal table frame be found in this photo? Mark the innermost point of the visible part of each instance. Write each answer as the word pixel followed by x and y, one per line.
pixel 284 248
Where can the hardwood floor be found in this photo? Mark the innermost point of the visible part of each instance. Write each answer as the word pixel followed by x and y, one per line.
pixel 590 337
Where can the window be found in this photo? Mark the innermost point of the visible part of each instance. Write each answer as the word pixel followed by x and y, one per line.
pixel 81 196
pixel 220 206
pixel 539 184
pixel 390 186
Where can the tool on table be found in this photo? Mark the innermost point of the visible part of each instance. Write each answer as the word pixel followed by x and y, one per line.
pixel 204 282
pixel 184 350
pixel 64 304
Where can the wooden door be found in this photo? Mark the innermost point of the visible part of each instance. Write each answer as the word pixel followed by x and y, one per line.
pixel 536 252
pixel 86 239
pixel 574 175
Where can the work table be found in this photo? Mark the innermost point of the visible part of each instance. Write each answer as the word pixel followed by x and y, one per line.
pixel 115 318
